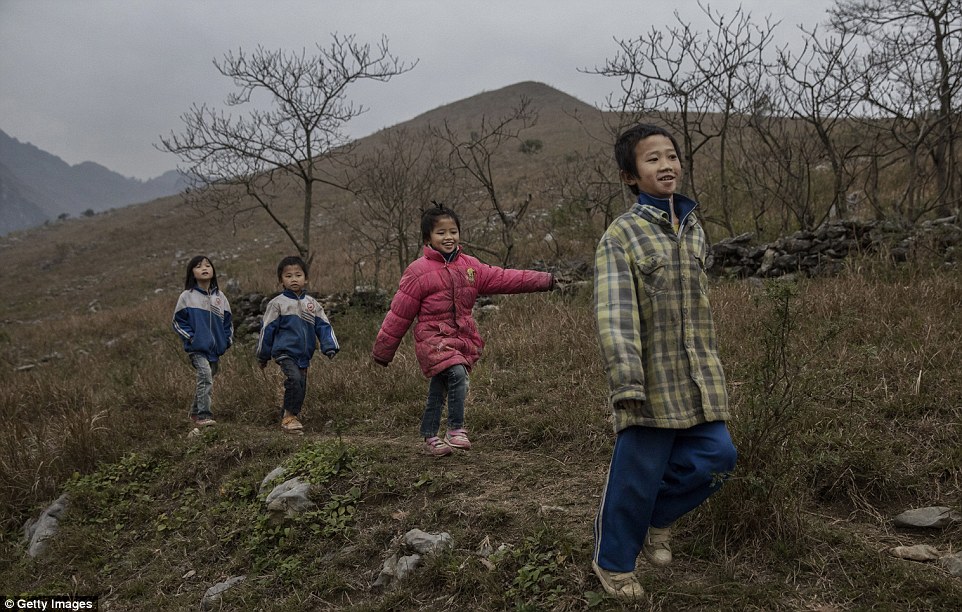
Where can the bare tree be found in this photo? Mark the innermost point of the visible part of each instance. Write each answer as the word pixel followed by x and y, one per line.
pixel 913 74
pixel 733 61
pixel 820 88
pixel 588 185
pixel 775 164
pixel 656 81
pixel 393 183
pixel 695 83
pixel 474 154
pixel 257 156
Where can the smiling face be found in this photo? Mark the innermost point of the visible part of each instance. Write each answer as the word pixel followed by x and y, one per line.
pixel 293 278
pixel 445 235
pixel 657 165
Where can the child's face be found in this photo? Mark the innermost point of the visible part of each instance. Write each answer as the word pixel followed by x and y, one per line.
pixel 658 166
pixel 293 279
pixel 203 272
pixel 445 235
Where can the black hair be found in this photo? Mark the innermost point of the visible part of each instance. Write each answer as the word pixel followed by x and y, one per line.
pixel 291 260
pixel 629 139
pixel 190 282
pixel 430 217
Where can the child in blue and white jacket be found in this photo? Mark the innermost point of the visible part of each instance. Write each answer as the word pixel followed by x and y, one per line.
pixel 294 323
pixel 202 318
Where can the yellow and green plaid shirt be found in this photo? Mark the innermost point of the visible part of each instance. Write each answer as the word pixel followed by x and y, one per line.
pixel 654 320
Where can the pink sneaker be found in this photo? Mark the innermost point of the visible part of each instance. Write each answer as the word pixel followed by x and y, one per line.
pixel 436 447
pixel 205 422
pixel 458 438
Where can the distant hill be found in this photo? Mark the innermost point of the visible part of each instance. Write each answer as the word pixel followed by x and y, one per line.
pixel 36 186
pixel 146 245
pixel 468 111
pixel 564 123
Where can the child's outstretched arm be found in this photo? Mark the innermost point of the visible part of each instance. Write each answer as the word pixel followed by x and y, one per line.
pixel 404 307
pixel 494 280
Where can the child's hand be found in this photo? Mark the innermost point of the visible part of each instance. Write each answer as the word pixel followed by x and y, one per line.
pixel 561 284
pixel 262 364
pixel 330 354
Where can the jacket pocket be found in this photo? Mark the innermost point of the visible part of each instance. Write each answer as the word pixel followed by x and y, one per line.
pixel 651 272
pixel 432 329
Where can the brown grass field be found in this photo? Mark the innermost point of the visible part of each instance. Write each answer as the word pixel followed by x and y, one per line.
pixel 845 390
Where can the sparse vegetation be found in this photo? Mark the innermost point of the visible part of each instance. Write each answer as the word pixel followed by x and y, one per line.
pixel 845 393
pixel 835 430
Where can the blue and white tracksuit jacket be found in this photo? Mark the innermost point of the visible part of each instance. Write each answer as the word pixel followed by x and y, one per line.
pixel 293 324
pixel 203 320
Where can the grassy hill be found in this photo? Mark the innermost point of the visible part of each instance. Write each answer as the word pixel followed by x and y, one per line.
pixel 845 393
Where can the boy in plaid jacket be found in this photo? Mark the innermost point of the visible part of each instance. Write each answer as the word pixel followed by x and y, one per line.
pixel 667 387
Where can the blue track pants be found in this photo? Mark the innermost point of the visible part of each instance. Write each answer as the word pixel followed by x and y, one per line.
pixel 656 476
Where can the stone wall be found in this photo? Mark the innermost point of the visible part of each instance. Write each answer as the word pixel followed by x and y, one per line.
pixel 823 250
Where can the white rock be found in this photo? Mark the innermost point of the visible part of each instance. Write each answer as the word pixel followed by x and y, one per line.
pixel 918 552
pixel 212 595
pixel 425 543
pixel 952 563
pixel 933 516
pixel 272 475
pixel 290 497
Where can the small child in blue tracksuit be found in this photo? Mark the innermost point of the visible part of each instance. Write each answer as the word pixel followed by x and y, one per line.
pixel 294 323
pixel 202 318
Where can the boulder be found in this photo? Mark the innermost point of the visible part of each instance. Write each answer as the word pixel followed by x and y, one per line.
pixel 290 498
pixel 46 526
pixel 931 517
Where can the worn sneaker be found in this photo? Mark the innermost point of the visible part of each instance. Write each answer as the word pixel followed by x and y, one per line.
pixel 436 447
pixel 203 421
pixel 290 423
pixel 458 438
pixel 657 548
pixel 619 584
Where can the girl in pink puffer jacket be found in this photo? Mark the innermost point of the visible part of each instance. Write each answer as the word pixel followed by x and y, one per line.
pixel 439 289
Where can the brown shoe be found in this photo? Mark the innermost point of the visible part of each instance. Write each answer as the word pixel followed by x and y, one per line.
pixel 619 584
pixel 290 423
pixel 657 548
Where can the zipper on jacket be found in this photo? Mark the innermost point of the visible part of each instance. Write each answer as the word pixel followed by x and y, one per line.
pixel 454 295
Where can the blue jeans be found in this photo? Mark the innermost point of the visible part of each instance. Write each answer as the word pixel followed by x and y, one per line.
pixel 453 384
pixel 656 476
pixel 206 370
pixel 295 385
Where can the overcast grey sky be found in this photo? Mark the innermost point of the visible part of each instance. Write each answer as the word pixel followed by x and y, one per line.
pixel 101 80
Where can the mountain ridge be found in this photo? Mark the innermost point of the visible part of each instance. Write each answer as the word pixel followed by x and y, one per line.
pixel 38 187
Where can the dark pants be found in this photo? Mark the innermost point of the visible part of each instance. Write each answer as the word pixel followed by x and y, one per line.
pixel 295 386
pixel 656 476
pixel 452 384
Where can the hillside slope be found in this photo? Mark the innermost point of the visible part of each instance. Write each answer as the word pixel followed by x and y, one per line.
pixel 139 249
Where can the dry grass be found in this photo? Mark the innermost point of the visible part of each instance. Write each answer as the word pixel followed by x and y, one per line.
pixel 856 436
pixel 845 393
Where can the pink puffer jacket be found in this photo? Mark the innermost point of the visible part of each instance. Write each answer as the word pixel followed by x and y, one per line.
pixel 442 295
